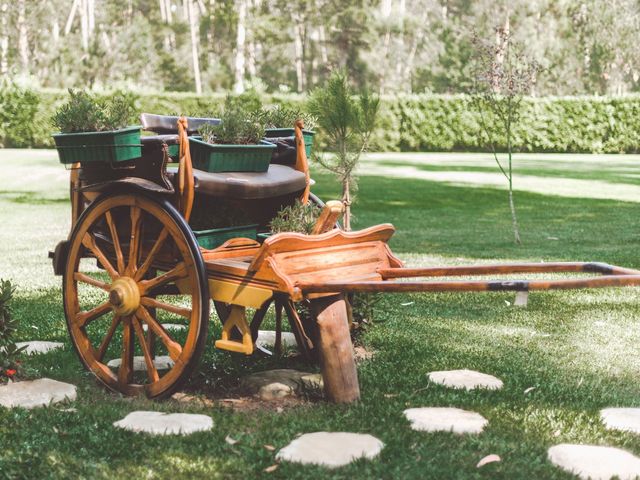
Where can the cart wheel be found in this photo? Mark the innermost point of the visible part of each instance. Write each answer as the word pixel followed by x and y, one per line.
pixel 150 273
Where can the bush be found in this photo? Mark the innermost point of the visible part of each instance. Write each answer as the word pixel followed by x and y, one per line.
pixel 239 126
pixel 8 326
pixel 18 111
pixel 423 122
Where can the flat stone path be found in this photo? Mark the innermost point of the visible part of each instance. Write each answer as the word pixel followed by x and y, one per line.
pixel 159 423
pixel 35 393
pixel 330 449
pixel 625 419
pixel 162 362
pixel 465 379
pixel 443 419
pixel 38 346
pixel 595 462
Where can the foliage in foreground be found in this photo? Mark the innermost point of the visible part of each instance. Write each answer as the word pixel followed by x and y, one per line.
pixel 9 365
pixel 239 126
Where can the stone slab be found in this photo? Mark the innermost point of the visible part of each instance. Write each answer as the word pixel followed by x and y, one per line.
pixel 330 449
pixel 168 326
pixel 443 419
pixel 159 423
pixel 162 362
pixel 267 338
pixel 595 462
pixel 35 393
pixel 34 347
pixel 465 379
pixel 625 419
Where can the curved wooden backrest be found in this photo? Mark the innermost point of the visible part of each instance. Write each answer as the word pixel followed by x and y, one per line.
pixel 302 163
pixel 185 171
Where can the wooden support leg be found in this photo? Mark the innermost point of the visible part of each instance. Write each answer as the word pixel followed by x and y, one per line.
pixel 336 351
pixel 277 347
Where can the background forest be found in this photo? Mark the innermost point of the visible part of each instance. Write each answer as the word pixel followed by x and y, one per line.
pixel 412 46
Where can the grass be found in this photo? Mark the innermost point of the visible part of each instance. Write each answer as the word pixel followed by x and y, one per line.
pixel 578 349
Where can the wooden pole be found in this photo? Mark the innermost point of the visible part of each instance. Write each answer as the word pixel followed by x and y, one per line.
pixel 336 351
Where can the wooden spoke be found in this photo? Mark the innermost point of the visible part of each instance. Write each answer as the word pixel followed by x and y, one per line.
pixel 84 278
pixel 108 337
pixel 84 318
pixel 152 372
pixel 89 242
pixel 151 256
pixel 173 347
pixel 176 273
pixel 134 240
pixel 152 302
pixel 116 242
pixel 125 372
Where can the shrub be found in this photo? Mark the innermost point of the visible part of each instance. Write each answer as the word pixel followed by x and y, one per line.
pixel 84 112
pixel 282 116
pixel 425 122
pixel 18 111
pixel 8 326
pixel 239 126
pixel 299 217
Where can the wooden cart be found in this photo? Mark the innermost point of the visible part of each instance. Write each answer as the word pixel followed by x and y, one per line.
pixel 137 286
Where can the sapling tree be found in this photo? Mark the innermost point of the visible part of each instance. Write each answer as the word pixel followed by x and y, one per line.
pixel 346 119
pixel 502 76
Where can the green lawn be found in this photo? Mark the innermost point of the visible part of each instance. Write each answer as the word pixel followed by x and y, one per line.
pixel 578 349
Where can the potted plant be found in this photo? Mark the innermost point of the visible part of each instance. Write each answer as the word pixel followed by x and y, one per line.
pixel 279 122
pixel 235 145
pixel 96 129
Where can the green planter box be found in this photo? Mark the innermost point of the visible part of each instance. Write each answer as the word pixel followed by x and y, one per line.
pixel 290 132
pixel 107 147
pixel 213 238
pixel 231 158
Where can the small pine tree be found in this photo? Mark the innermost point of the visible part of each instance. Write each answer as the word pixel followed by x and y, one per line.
pixel 347 121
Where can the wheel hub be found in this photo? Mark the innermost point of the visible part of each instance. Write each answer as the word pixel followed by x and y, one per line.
pixel 124 296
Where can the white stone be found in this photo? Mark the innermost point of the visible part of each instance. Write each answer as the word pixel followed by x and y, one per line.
pixel 626 419
pixel 267 338
pixel 162 362
pixel 35 393
pixel 274 391
pixel 286 376
pixel 442 419
pixel 467 379
pixel 330 449
pixel 159 423
pixel 595 462
pixel 168 326
pixel 38 346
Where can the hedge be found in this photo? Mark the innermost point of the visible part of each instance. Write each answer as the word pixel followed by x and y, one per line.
pixel 407 123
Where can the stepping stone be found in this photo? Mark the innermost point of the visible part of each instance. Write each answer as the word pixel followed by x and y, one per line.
pixel 275 391
pixel 162 362
pixel 594 462
pixel 465 379
pixel 330 449
pixel 159 423
pixel 168 326
pixel 38 346
pixel 35 393
pixel 268 338
pixel 442 419
pixel 625 419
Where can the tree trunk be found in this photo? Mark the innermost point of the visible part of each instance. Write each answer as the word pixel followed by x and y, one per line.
pixel 298 42
pixel 193 28
pixel 240 41
pixel 4 39
pixel 71 17
pixel 346 199
pixel 23 39
pixel 84 25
